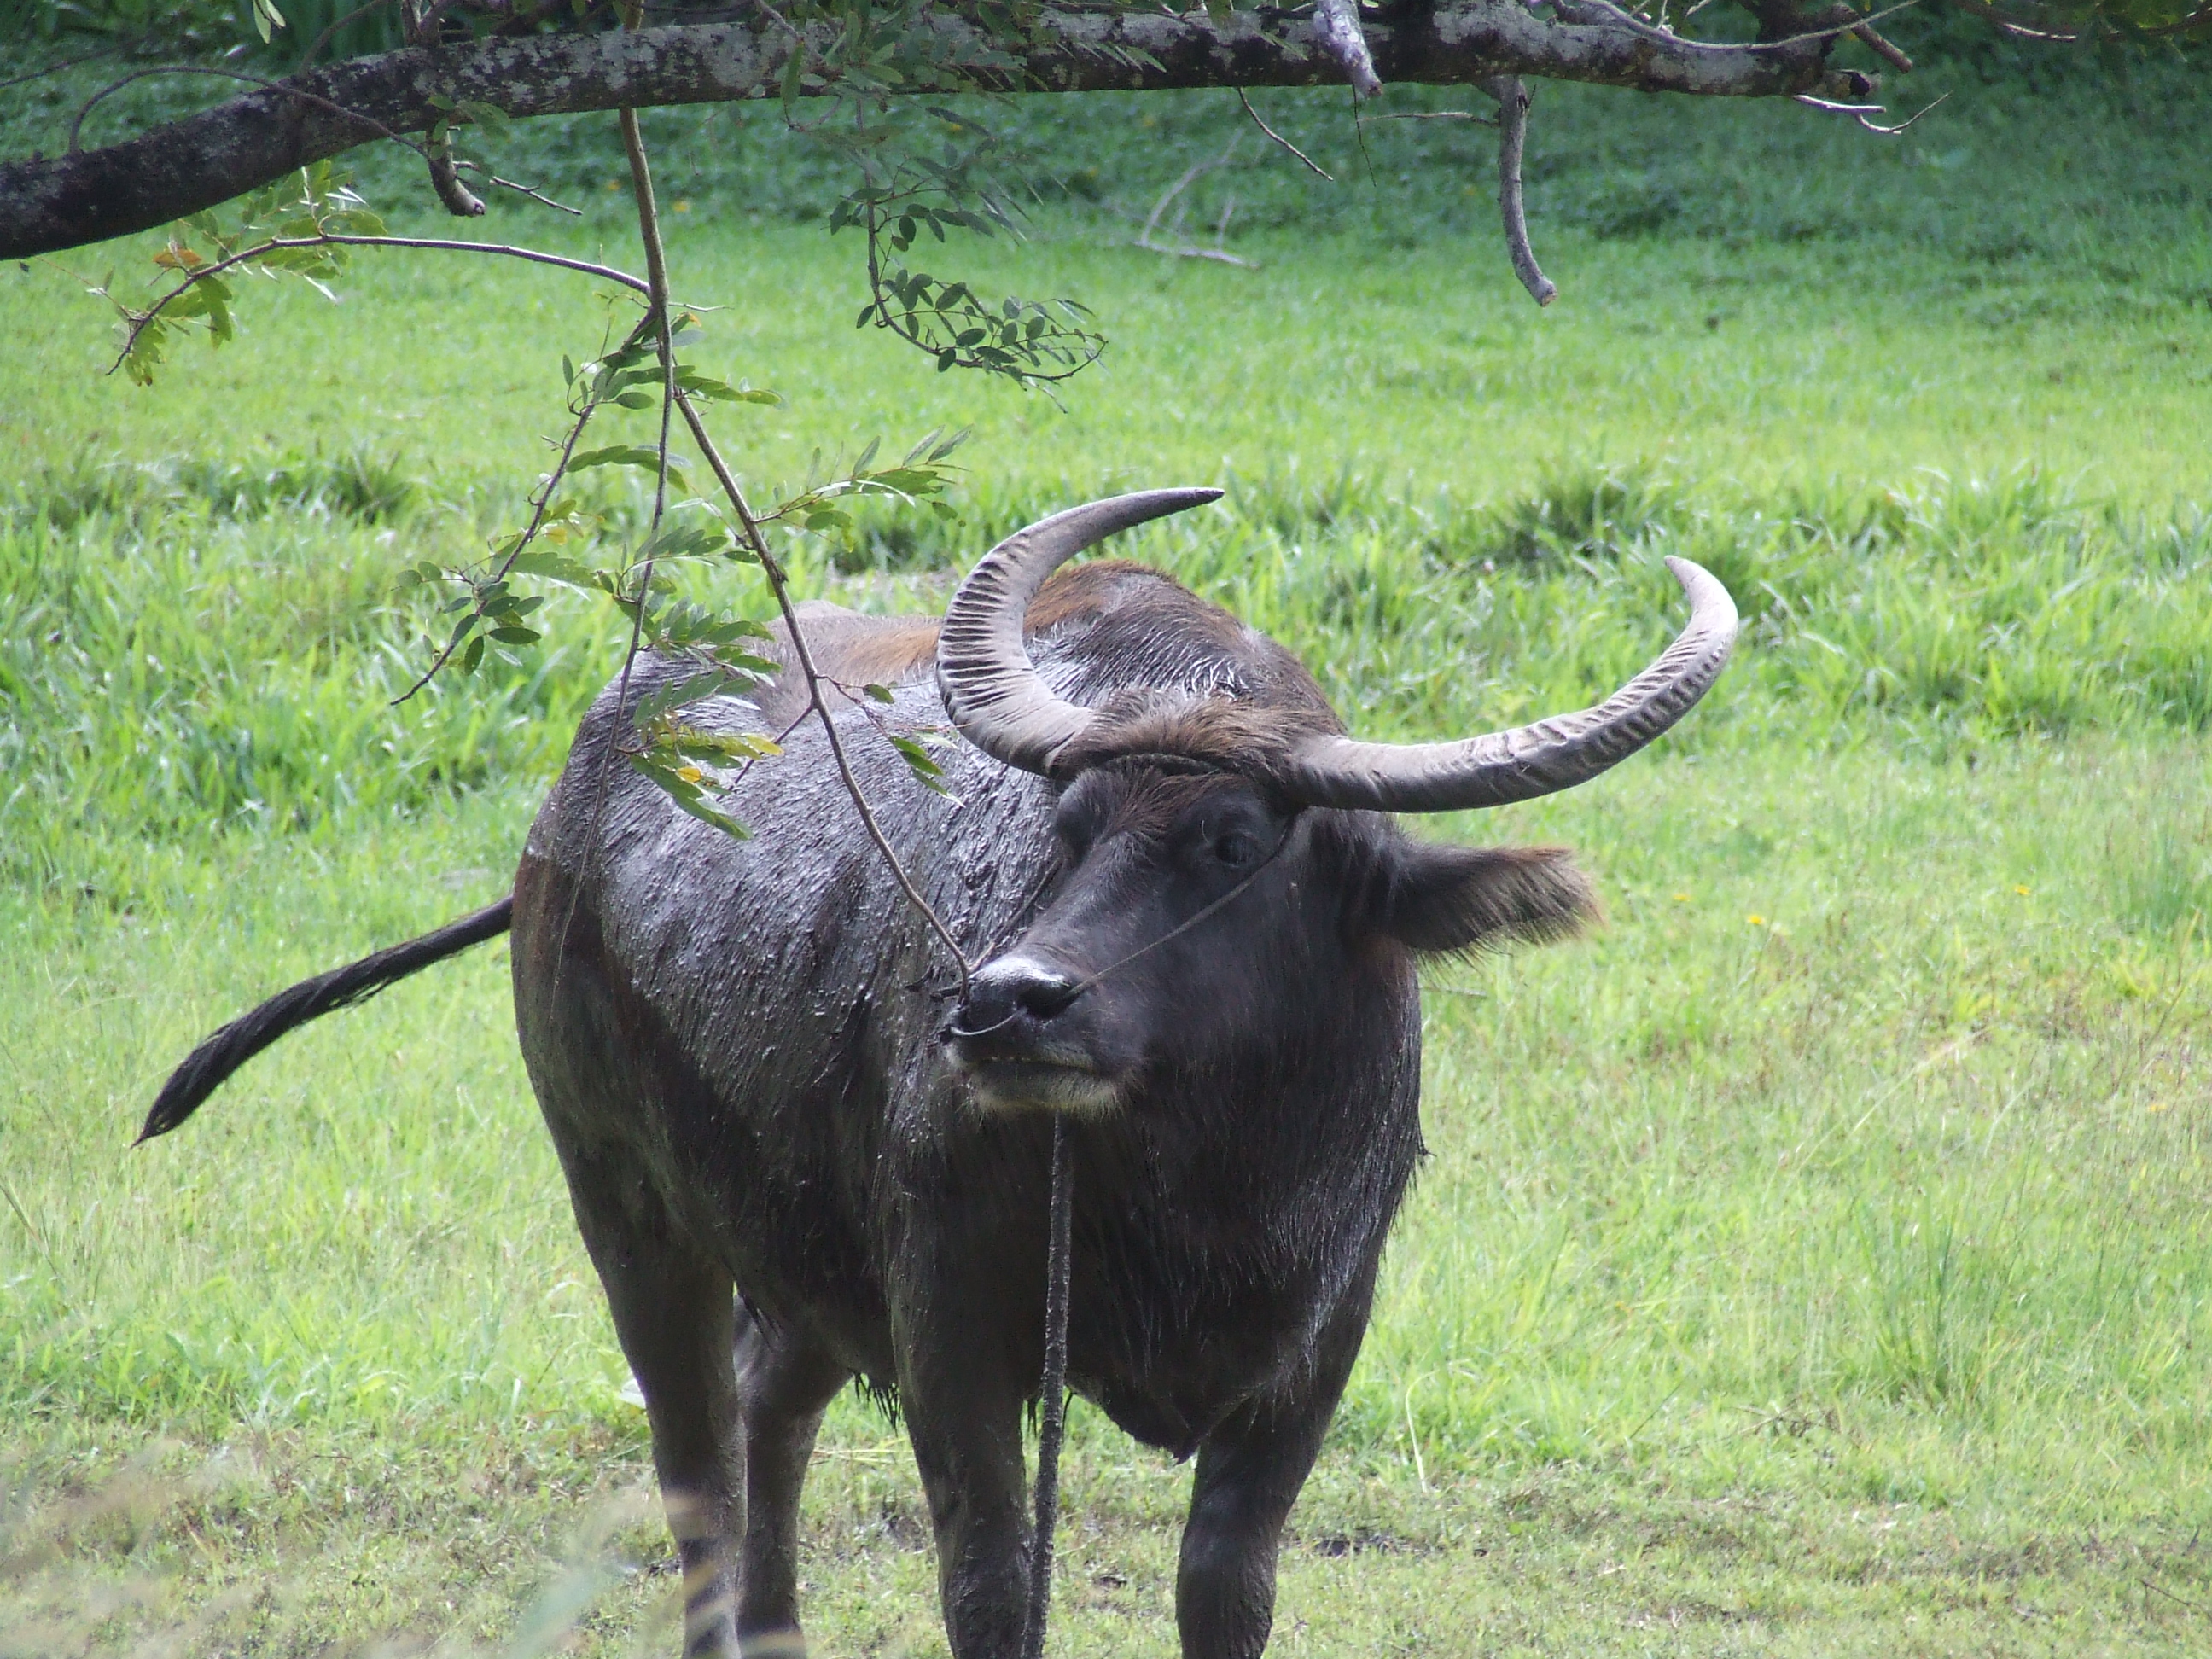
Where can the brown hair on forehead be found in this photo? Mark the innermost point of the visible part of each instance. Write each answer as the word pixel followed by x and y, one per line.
pixel 1160 789
pixel 860 650
pixel 1134 615
pixel 1220 734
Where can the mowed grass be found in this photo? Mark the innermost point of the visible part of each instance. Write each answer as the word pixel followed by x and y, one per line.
pixel 1815 1260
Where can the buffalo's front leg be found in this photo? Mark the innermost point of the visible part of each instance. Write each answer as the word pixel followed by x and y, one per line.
pixel 1250 1471
pixel 964 1411
pixel 784 1381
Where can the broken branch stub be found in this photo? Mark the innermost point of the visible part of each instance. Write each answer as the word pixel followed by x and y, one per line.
pixel 1512 136
pixel 1336 26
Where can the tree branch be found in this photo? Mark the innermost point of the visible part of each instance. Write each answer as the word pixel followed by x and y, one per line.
pixel 1512 135
pixel 1336 25
pixel 780 585
pixel 50 203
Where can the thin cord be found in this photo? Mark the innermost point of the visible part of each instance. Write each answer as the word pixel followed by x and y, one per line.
pixel 1181 928
pixel 1054 1426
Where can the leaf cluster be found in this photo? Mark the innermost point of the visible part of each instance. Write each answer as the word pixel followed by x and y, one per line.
pixel 919 479
pixel 904 194
pixel 261 239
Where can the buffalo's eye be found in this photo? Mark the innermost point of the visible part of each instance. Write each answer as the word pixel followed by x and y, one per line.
pixel 1237 850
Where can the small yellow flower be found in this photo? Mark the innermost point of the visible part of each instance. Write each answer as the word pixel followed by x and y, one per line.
pixel 2157 1106
pixel 1756 920
pixel 1681 898
pixel 683 204
pixel 2018 889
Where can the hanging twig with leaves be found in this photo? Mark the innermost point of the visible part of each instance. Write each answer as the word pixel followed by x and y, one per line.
pixel 899 200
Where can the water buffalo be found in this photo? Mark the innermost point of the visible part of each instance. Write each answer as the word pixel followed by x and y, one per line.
pixel 1198 929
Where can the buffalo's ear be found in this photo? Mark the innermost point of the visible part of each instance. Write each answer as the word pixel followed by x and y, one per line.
pixel 1440 898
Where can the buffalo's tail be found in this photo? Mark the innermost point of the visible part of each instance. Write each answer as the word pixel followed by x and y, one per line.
pixel 207 1066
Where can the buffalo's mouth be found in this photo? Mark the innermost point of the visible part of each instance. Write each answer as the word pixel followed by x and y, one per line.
pixel 1003 1083
pixel 1014 1040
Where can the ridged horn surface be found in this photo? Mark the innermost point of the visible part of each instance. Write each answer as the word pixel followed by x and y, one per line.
pixel 1538 759
pixel 991 688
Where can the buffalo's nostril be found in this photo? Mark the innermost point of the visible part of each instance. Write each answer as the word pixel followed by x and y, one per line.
pixel 1046 997
pixel 1007 989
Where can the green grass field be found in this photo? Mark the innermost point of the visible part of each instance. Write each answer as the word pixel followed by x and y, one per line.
pixel 1813 1260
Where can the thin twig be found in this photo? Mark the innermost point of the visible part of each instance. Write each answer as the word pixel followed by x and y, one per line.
pixel 1668 36
pixel 261 80
pixel 1436 115
pixel 2005 26
pixel 494 179
pixel 2194 20
pixel 54 68
pixel 332 238
pixel 537 507
pixel 2194 1606
pixel 315 46
pixel 1190 251
pixel 1512 134
pixel 1860 112
pixel 780 585
pixel 1309 162
pixel 656 317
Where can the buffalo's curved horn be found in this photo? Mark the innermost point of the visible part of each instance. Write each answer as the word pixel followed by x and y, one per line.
pixel 1538 759
pixel 990 686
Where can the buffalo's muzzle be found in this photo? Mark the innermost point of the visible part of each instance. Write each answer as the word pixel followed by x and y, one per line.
pixel 1007 1038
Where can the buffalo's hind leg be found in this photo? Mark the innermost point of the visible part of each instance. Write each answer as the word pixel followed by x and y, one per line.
pixel 673 1314
pixel 784 1383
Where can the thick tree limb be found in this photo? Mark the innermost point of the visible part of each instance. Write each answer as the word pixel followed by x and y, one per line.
pixel 48 204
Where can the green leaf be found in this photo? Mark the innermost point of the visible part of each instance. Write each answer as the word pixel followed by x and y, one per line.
pixel 624 455
pixel 687 795
pixel 689 541
pixel 680 694
pixel 553 567
pixel 707 386
pixel 715 746
pixel 919 761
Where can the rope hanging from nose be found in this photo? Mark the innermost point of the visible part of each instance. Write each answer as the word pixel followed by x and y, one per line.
pixel 1052 1426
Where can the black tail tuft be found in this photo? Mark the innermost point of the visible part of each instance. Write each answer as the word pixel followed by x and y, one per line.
pixel 207 1066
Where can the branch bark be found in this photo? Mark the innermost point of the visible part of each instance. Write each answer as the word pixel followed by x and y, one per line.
pixel 1512 136
pixel 1336 26
pixel 48 204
